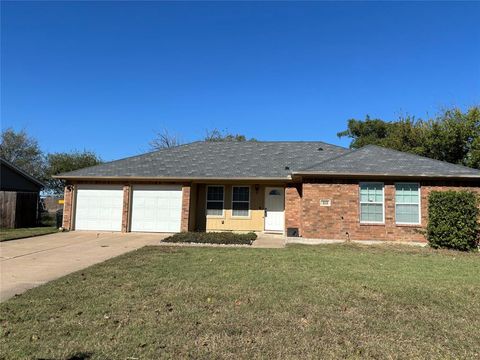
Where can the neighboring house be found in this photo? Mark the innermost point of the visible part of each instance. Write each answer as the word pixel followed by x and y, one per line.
pixel 19 197
pixel 308 189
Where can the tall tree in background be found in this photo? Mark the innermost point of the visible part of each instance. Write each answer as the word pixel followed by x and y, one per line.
pixel 216 135
pixel 58 163
pixel 164 140
pixel 453 135
pixel 22 151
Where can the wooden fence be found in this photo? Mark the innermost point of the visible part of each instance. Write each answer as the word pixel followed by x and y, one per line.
pixel 18 209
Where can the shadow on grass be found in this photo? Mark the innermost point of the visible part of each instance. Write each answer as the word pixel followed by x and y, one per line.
pixel 80 356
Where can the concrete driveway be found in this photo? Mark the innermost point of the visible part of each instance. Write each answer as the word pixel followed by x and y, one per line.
pixel 26 263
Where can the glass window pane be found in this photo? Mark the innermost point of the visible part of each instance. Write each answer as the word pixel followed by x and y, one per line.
pixel 215 205
pixel 215 212
pixel 407 213
pixel 241 193
pixel 215 193
pixel 371 192
pixel 371 202
pixel 371 212
pixel 407 194
pixel 240 209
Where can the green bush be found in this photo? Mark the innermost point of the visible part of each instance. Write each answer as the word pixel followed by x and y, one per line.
pixel 453 220
pixel 228 238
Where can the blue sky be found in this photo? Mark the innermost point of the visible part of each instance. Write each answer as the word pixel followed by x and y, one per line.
pixel 105 75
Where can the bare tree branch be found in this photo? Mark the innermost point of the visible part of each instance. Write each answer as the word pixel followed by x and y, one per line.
pixel 165 139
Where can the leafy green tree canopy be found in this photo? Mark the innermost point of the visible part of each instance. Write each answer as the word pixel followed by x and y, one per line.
pixel 23 151
pixel 453 135
pixel 217 135
pixel 58 163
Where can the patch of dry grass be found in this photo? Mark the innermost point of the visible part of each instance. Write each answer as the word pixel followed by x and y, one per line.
pixel 12 234
pixel 328 301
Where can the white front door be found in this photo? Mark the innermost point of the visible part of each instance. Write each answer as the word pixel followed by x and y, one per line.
pixel 274 209
pixel 99 207
pixel 156 208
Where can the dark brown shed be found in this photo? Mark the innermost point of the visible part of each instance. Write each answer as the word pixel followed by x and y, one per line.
pixel 19 197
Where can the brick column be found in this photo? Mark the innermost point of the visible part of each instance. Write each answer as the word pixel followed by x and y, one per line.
pixel 127 189
pixel 68 207
pixel 293 207
pixel 185 207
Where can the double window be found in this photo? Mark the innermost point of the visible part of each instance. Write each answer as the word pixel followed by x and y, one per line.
pixel 215 198
pixel 407 203
pixel 240 200
pixel 372 203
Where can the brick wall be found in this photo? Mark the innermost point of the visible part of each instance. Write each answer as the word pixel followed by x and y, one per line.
pixel 341 220
pixel 127 190
pixel 67 207
pixel 293 207
pixel 185 207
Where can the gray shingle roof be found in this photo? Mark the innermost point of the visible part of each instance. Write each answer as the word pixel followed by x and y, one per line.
pixel 376 160
pixel 276 160
pixel 217 160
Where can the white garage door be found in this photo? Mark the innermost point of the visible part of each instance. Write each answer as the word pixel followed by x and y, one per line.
pixel 156 208
pixel 99 207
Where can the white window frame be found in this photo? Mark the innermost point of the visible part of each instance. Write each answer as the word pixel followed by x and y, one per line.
pixel 223 202
pixel 419 204
pixel 360 202
pixel 249 198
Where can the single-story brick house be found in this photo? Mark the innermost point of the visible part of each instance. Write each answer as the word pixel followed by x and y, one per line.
pixel 309 189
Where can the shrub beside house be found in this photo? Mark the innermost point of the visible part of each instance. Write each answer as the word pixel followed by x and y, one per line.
pixel 453 220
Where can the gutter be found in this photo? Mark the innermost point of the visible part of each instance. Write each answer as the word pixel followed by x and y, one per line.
pixel 169 178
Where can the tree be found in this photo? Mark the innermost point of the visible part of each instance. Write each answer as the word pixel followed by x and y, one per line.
pixel 164 140
pixel 58 163
pixel 22 151
pixel 217 135
pixel 453 135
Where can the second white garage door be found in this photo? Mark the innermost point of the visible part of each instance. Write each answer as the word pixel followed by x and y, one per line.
pixel 156 208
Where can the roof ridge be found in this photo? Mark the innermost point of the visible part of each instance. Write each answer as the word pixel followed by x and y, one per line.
pixel 273 142
pixel 332 158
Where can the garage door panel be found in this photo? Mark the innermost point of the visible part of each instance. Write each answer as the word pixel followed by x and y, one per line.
pixel 99 207
pixel 156 208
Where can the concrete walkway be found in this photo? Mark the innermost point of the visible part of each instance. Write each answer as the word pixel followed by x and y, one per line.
pixel 270 241
pixel 26 263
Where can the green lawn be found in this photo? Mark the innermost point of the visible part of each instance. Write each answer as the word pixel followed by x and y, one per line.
pixel 10 234
pixel 331 301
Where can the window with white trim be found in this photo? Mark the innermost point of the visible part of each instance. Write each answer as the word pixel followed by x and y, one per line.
pixel 372 203
pixel 240 200
pixel 215 196
pixel 407 203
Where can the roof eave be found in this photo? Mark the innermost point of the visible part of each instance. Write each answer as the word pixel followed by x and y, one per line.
pixel 169 178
